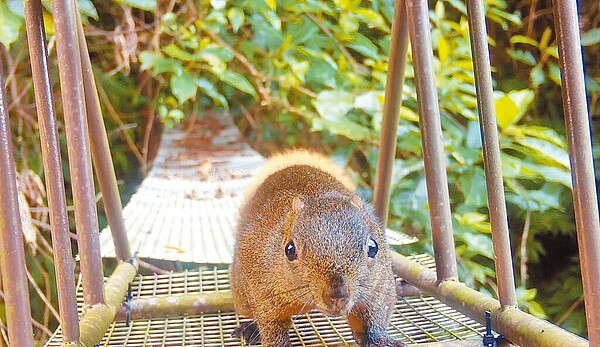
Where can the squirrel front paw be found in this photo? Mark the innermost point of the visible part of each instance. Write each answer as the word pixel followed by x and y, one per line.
pixel 248 331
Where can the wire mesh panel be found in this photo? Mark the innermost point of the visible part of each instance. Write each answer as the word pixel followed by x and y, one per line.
pixel 417 319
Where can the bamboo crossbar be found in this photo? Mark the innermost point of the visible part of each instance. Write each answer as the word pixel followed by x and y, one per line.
pixel 516 326
pixel 96 321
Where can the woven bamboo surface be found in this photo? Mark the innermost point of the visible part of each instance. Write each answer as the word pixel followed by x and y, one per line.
pixel 186 208
pixel 418 319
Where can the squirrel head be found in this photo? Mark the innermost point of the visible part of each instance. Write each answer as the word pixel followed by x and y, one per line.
pixel 334 246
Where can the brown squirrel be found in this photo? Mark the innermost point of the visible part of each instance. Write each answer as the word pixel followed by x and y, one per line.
pixel 305 240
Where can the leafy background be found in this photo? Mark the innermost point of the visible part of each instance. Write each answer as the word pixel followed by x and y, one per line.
pixel 312 73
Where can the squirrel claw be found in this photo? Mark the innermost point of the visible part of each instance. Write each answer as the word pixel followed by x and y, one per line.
pixel 248 331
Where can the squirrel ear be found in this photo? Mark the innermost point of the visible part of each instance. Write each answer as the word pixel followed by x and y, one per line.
pixel 297 204
pixel 290 218
pixel 357 202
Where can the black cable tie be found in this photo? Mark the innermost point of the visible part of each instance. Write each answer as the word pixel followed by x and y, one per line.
pixel 128 299
pixel 488 338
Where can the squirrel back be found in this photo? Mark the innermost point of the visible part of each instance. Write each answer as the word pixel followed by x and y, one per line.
pixel 293 173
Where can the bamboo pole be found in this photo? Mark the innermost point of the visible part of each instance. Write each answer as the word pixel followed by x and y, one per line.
pixel 98 319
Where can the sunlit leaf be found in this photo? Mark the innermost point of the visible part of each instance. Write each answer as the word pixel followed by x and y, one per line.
pixel 236 18
pixel 364 46
pixel 523 39
pixel 546 149
pixel 522 56
pixel 537 76
pixel 511 107
pixel 86 8
pixel 207 87
pixel 10 25
pixel 591 37
pixel 272 4
pixel 159 64
pixel 183 87
pixel 238 81
pixel 554 73
pixel 148 5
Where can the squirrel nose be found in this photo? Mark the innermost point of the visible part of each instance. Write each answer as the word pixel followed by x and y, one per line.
pixel 337 299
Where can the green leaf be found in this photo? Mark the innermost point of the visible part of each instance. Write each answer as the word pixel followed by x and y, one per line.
pixel 541 132
pixel 345 127
pixel 10 25
pixel 176 52
pixel 183 87
pixel 348 22
pixel 219 53
pixel 265 36
pixel 537 76
pixel 272 4
pixel 16 6
pixel 547 150
pixel 321 73
pixel 159 64
pixel 523 39
pixel 333 105
pixel 236 18
pixel 364 46
pixel 591 37
pixel 238 81
pixel 147 5
pixel 522 56
pixel 209 89
pixel 554 73
pixel 218 4
pixel 86 8
pixel 371 18
pixel 473 185
pixel 302 32
pixel 511 107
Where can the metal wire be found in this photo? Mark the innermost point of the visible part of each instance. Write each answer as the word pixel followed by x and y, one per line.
pixel 417 319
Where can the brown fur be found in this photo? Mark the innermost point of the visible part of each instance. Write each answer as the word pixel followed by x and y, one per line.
pixel 305 198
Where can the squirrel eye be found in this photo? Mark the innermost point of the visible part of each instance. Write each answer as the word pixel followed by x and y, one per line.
pixel 372 248
pixel 290 251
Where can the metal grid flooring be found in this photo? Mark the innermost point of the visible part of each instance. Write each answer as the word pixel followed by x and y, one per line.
pixel 186 208
pixel 417 319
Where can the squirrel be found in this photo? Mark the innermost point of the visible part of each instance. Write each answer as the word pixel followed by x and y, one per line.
pixel 305 239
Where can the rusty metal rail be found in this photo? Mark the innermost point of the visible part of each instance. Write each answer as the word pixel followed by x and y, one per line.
pixel 51 156
pixel 391 110
pixel 491 154
pixel 582 161
pixel 12 254
pixel 433 144
pixel 78 148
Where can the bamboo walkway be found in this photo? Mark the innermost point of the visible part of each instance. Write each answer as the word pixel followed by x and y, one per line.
pixel 185 211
